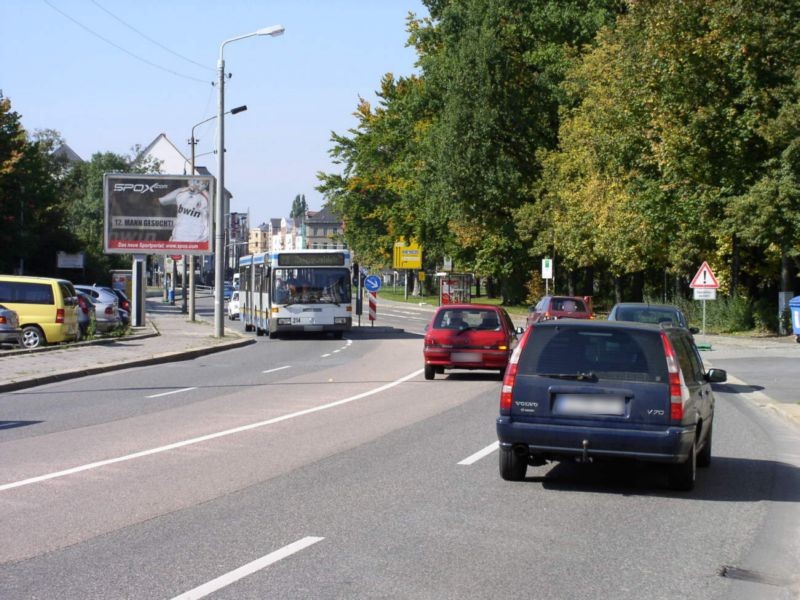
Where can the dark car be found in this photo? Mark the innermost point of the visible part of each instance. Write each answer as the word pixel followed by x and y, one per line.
pixel 607 390
pixel 87 314
pixel 468 336
pixel 644 312
pixel 560 307
pixel 10 332
pixel 124 301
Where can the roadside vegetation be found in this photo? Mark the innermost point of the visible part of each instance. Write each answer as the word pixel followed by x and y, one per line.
pixel 628 141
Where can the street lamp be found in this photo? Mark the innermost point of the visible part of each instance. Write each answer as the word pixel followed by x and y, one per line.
pixel 219 209
pixel 193 142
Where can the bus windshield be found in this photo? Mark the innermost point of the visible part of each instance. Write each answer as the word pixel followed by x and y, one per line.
pixel 310 285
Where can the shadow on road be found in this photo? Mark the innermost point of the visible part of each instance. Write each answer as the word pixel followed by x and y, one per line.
pixel 727 480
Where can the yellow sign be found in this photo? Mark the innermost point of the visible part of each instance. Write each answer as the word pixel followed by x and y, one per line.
pixel 406 256
pixel 421 275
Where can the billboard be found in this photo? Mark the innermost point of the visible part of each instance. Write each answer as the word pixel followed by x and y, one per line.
pixel 158 214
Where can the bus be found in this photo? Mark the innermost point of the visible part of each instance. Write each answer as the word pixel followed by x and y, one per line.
pixel 291 291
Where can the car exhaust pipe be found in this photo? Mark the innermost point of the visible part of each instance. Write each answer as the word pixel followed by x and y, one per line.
pixel 585 458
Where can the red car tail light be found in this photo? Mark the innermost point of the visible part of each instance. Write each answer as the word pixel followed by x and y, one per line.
pixel 507 391
pixel 678 392
pixel 59 315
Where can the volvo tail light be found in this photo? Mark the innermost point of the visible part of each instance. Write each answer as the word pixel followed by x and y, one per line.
pixel 678 392
pixel 507 391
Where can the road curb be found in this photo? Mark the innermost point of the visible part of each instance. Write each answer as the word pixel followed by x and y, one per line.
pixel 142 362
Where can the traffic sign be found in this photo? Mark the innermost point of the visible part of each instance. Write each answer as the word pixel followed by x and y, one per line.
pixel 705 293
pixel 547 268
pixel 372 283
pixel 704 279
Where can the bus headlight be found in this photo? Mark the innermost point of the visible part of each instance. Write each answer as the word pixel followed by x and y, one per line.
pixel 284 321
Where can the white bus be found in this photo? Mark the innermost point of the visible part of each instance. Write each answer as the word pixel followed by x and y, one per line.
pixel 296 291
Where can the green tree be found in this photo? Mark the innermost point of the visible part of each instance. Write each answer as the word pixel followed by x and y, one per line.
pixel 299 207
pixel 495 68
pixel 32 223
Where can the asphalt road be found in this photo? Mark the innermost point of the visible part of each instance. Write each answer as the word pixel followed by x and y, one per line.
pixel 321 468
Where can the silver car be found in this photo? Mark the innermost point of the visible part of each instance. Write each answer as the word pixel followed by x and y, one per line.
pixel 106 307
pixel 10 333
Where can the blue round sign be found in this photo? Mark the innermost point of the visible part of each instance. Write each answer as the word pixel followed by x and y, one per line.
pixel 372 283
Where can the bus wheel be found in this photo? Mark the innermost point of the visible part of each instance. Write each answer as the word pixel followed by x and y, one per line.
pixel 337 335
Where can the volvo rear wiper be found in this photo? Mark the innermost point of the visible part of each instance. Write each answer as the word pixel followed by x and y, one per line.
pixel 590 376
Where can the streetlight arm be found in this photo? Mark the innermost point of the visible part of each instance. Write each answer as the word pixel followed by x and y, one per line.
pixel 274 30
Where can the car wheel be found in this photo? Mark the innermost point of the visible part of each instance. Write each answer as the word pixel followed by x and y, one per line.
pixel 32 337
pixel 430 371
pixel 273 335
pixel 704 456
pixel 513 466
pixel 682 475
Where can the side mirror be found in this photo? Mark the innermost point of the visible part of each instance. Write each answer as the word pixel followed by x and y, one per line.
pixel 717 376
pixel 694 330
pixel 519 330
pixel 427 326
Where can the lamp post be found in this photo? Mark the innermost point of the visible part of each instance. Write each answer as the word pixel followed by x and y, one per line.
pixel 219 209
pixel 193 142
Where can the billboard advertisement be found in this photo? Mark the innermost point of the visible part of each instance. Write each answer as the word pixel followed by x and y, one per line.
pixel 158 214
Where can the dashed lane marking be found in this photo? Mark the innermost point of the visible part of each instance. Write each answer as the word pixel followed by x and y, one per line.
pixel 260 563
pixel 480 454
pixel 172 392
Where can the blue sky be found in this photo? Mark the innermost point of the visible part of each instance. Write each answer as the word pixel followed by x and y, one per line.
pixel 298 87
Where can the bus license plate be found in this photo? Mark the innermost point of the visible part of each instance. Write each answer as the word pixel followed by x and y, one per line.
pixel 302 320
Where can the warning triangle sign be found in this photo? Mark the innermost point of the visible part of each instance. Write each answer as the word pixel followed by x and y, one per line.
pixel 704 279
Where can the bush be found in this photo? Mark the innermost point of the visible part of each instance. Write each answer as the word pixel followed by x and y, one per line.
pixel 723 315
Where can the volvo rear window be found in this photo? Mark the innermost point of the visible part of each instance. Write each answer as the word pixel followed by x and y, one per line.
pixel 568 351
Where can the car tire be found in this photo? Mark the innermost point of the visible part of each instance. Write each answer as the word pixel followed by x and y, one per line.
pixel 430 372
pixel 513 466
pixel 273 335
pixel 704 456
pixel 32 337
pixel 682 475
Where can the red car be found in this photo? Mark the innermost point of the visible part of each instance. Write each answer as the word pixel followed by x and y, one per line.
pixel 561 307
pixel 468 336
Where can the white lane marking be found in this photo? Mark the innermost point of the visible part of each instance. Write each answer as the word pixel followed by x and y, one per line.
pixel 205 438
pixel 277 369
pixel 233 576
pixel 325 355
pixel 172 392
pixel 480 454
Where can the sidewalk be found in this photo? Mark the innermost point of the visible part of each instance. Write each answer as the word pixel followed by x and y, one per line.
pixel 168 335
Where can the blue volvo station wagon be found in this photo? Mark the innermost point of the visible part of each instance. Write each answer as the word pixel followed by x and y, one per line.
pixel 607 390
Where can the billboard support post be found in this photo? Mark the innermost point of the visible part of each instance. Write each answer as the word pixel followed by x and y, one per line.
pixel 137 308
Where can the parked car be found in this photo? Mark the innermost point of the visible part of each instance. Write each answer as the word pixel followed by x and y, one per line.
pixel 46 307
pixel 233 306
pixel 644 312
pixel 106 307
pixel 560 307
pixel 10 333
pixel 86 314
pixel 607 390
pixel 123 300
pixel 468 336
